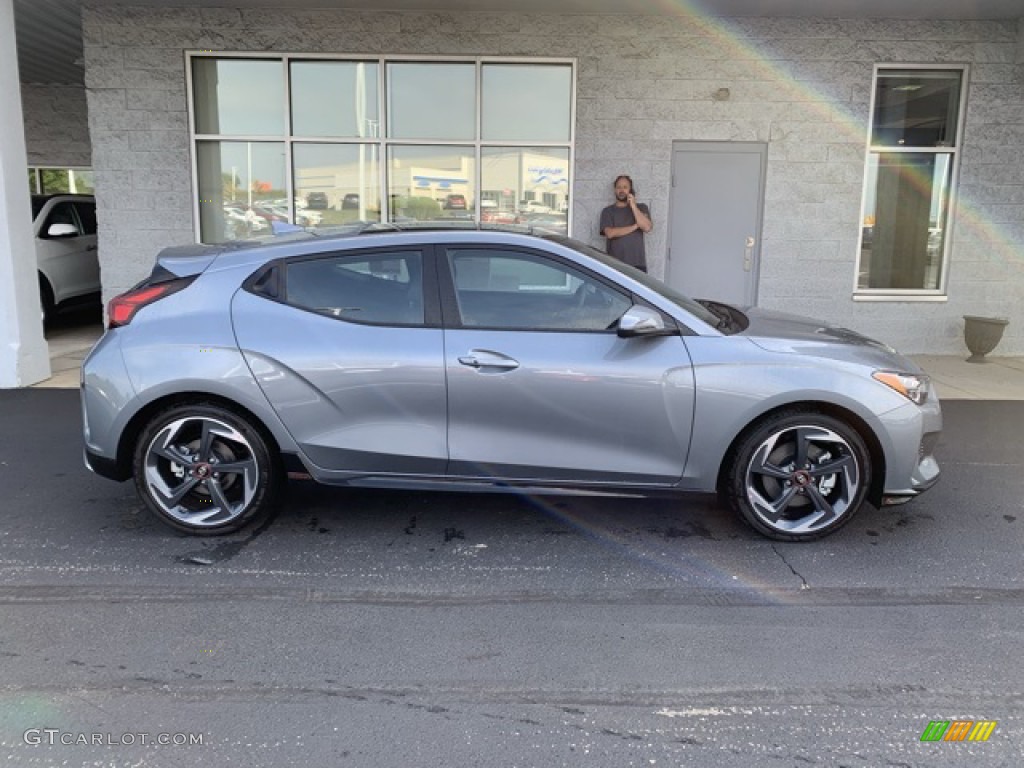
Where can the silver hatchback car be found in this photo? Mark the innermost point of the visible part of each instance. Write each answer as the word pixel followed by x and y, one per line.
pixel 472 359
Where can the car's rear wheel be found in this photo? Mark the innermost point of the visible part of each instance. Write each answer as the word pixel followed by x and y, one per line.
pixel 797 475
pixel 203 469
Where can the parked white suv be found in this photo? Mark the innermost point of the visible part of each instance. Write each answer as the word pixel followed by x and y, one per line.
pixel 66 257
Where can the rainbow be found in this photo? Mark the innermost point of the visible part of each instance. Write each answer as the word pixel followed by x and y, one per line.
pixel 967 216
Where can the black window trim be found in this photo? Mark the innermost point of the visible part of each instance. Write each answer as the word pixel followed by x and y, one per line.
pixel 431 297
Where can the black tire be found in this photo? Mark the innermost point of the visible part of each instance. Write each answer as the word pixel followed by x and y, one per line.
pixel 787 502
pixel 177 472
pixel 46 301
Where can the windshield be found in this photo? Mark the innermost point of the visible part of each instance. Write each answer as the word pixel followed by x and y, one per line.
pixel 683 301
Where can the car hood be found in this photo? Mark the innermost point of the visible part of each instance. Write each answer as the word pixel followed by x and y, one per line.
pixel 796 334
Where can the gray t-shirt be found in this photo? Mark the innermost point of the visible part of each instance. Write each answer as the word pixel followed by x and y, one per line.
pixel 630 248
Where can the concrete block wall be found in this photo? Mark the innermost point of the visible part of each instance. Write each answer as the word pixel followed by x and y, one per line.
pixel 56 125
pixel 802 86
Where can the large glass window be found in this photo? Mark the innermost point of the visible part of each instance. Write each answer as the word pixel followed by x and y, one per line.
pixel 238 96
pixel 908 185
pixel 526 102
pixel 336 183
pixel 378 139
pixel 916 108
pixel 334 98
pixel 427 183
pixel 530 184
pixel 241 188
pixel 432 101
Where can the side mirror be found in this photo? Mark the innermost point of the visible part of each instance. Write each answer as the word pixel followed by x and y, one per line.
pixel 62 230
pixel 643 321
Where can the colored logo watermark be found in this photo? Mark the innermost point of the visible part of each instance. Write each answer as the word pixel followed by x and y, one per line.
pixel 959 730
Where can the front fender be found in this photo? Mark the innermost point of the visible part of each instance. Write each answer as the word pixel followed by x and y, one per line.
pixel 735 387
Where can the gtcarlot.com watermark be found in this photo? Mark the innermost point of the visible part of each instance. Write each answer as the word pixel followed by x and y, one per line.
pixel 53 736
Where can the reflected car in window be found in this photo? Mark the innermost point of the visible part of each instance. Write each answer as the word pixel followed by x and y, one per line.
pixel 554 222
pixel 244 219
pixel 471 359
pixel 317 200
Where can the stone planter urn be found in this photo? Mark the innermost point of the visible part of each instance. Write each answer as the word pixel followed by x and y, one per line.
pixel 982 334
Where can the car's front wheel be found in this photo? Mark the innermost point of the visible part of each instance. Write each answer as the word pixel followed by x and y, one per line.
pixel 206 470
pixel 798 475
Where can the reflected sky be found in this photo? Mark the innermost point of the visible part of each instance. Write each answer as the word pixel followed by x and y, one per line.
pixel 256 161
pixel 526 102
pixel 432 101
pixel 334 98
pixel 238 96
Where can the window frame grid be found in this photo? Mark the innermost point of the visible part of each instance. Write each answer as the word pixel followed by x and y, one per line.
pixel 383 142
pixel 940 293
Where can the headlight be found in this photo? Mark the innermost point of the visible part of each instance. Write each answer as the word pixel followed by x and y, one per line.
pixel 913 386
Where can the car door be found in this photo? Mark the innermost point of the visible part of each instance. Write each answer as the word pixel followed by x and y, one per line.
pixel 348 349
pixel 540 386
pixel 68 261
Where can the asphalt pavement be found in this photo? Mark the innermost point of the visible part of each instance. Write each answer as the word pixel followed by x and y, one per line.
pixel 411 629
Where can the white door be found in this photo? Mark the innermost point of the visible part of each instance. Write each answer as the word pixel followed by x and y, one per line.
pixel 715 213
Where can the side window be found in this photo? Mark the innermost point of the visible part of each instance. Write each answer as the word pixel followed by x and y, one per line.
pixel 377 288
pixel 515 290
pixel 87 216
pixel 61 213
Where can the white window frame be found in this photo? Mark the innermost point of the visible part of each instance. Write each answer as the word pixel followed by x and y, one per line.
pixel 938 294
pixel 382 141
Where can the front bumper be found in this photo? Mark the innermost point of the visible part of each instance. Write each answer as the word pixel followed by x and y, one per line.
pixel 925 476
pixel 911 467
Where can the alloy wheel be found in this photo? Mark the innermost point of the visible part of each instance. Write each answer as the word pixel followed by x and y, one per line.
pixel 803 479
pixel 201 471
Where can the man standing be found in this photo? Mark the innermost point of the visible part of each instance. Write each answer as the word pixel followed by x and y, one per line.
pixel 624 224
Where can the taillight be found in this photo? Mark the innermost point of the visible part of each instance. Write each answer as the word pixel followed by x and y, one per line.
pixel 122 309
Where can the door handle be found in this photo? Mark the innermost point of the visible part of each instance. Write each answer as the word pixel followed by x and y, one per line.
pixel 483 359
pixel 748 254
